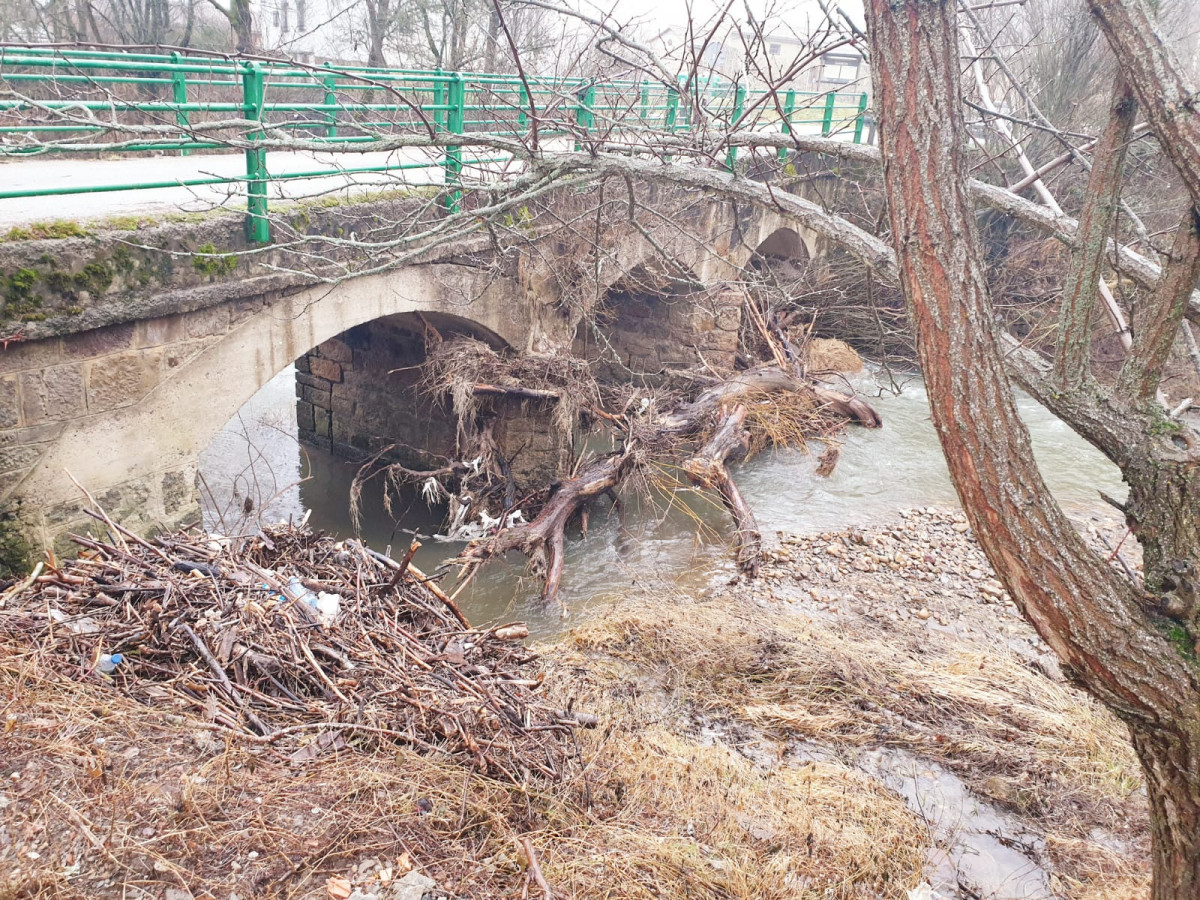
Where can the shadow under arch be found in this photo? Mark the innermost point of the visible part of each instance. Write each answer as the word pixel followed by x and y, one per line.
pixel 636 326
pixel 355 395
pixel 781 244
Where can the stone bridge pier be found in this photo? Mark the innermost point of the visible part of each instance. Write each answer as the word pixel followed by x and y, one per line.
pixel 132 361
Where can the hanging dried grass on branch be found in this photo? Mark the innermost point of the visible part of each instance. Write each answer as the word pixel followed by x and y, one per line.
pixel 468 371
pixel 291 641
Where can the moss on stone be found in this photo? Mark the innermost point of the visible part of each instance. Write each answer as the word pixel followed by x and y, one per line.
pixel 40 231
pixel 123 261
pixel 20 294
pixel 96 277
pixel 208 261
pixel 16 553
pixel 61 282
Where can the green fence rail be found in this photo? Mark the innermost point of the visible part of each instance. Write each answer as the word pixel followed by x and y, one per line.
pixel 56 101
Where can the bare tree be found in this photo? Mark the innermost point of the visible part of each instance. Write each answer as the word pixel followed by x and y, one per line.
pixel 1113 637
pixel 240 16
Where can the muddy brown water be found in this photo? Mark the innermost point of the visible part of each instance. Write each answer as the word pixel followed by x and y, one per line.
pixel 897 467
pixel 678 542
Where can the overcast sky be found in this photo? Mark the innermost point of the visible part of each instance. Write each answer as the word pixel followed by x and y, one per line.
pixel 655 15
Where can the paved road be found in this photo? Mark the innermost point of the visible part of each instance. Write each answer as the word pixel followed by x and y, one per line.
pixel 83 207
pixel 67 172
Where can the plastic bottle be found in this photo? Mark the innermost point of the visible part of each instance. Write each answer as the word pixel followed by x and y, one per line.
pixel 300 592
pixel 109 662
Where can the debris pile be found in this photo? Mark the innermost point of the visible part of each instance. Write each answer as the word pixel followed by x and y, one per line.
pixel 296 642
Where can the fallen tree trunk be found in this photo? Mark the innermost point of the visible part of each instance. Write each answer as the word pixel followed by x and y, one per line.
pixel 708 469
pixel 543 539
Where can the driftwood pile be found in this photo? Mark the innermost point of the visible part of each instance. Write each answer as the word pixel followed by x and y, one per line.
pixel 290 640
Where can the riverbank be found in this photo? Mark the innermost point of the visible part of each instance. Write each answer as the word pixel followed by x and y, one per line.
pixel 867 715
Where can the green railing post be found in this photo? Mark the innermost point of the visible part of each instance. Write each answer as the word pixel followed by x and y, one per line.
pixel 584 117
pixel 454 124
pixel 858 120
pixel 739 106
pixel 179 96
pixel 827 121
pixel 258 227
pixel 789 106
pixel 645 101
pixel 439 100
pixel 330 82
pixel 522 108
pixel 672 109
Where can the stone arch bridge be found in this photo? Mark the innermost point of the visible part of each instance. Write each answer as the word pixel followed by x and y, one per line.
pixel 127 352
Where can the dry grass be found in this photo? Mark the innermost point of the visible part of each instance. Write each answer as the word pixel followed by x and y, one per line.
pixel 118 798
pixel 1032 746
pixel 455 367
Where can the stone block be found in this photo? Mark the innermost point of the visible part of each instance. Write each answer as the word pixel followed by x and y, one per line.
pixel 312 381
pixel 336 350
pixel 304 416
pixel 241 310
pixel 207 322
pixel 175 355
pixel 10 480
pixel 19 357
pixel 680 315
pixel 178 491
pixel 301 366
pixel 123 379
pixel 52 395
pixel 35 434
pixel 10 402
pixel 98 342
pixel 322 424
pixel 318 398
pixel 162 330
pixel 12 458
pixel 729 318
pixel 325 368
pixel 342 408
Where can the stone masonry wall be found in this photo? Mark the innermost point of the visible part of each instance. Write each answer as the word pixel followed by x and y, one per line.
pixel 646 334
pixel 358 393
pixel 47 384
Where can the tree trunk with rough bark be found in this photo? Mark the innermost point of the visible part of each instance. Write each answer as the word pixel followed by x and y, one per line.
pixel 1110 637
pixel 378 22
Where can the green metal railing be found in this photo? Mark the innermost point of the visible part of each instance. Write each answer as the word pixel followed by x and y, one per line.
pixel 90 101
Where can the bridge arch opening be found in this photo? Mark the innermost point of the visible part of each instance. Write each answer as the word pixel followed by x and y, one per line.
pixel 659 316
pixel 783 243
pixel 298 442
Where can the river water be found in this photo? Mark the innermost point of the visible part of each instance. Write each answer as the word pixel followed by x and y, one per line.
pixel 899 466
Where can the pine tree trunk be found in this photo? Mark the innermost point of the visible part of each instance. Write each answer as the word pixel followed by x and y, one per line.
pixel 1091 616
pixel 1173 788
